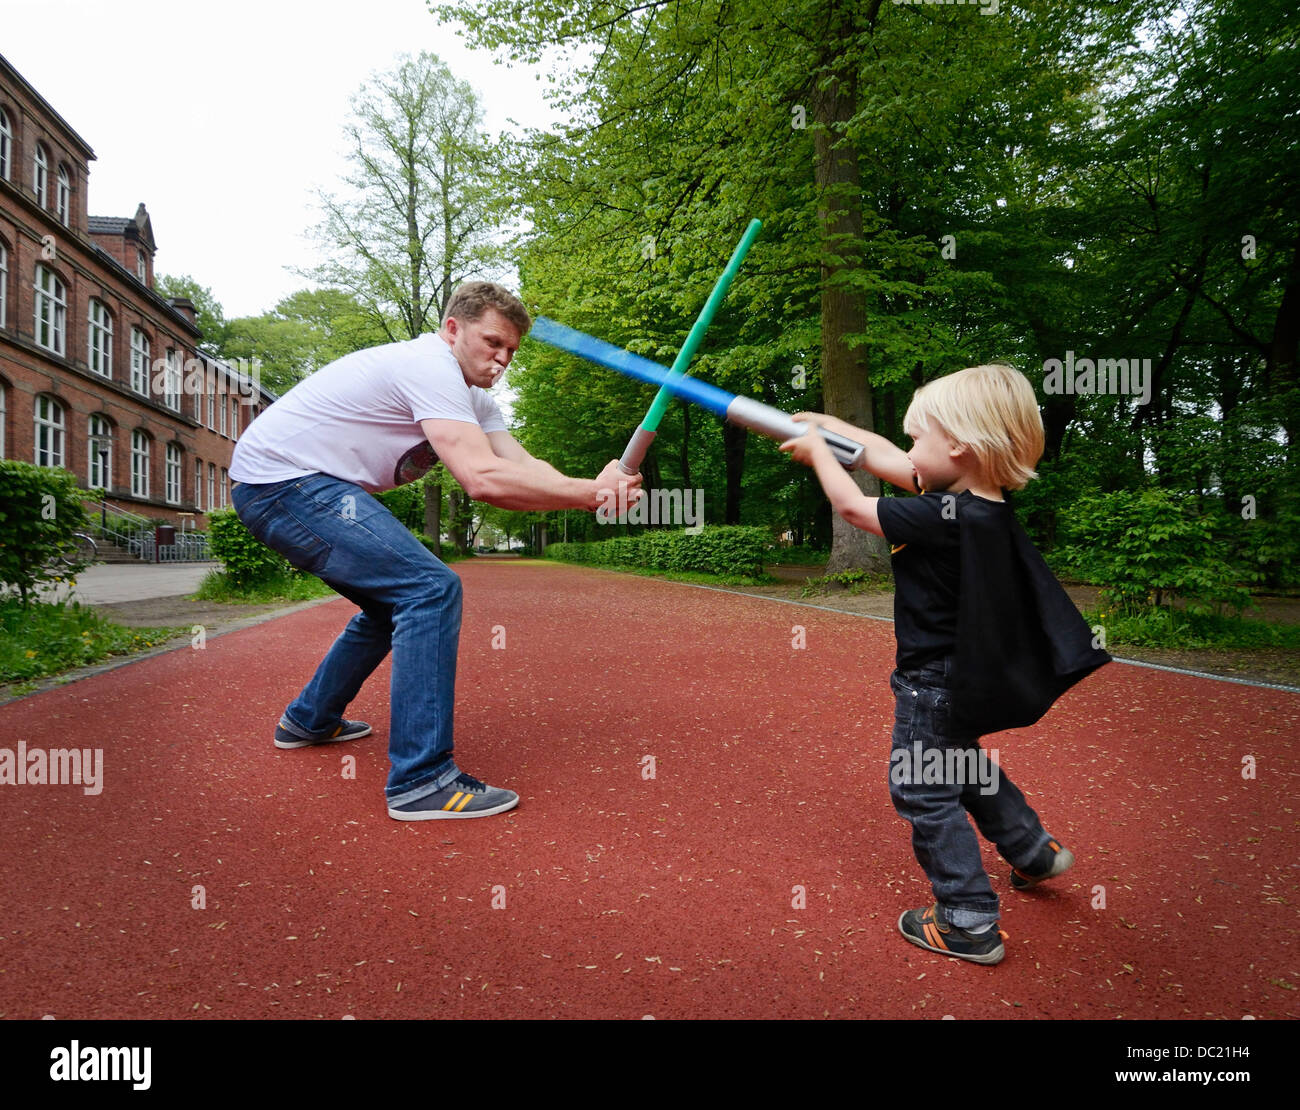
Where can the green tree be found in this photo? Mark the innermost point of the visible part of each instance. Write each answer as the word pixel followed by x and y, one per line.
pixel 421 205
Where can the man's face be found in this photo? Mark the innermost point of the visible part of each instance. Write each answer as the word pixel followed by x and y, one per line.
pixel 483 347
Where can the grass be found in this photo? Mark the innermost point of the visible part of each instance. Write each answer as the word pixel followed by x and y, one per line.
pixel 1164 628
pixel 694 578
pixel 44 638
pixel 848 581
pixel 218 586
pixel 799 557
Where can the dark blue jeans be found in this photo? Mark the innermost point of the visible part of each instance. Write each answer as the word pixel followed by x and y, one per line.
pixel 410 604
pixel 936 777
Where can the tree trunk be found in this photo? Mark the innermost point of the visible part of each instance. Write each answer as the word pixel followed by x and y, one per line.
pixel 846 388
pixel 734 439
pixel 433 511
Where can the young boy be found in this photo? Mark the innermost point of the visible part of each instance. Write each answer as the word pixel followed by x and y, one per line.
pixel 987 638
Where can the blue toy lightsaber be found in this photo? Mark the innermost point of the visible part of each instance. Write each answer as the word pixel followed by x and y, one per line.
pixel 744 411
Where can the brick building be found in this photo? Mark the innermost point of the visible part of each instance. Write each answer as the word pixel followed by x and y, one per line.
pixel 100 374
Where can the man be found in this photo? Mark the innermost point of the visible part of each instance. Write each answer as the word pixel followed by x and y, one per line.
pixel 305 469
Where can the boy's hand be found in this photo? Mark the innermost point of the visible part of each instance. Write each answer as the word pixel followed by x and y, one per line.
pixel 809 447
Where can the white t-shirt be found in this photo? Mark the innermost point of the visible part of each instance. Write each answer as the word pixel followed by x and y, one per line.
pixel 358 418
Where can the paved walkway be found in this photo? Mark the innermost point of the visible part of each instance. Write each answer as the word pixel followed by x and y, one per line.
pixel 106 583
pixel 705 831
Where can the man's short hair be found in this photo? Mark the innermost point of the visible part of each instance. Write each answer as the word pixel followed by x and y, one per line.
pixel 992 410
pixel 470 301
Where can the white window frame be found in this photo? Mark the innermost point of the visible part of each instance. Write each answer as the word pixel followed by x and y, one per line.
pixel 139 362
pixel 212 405
pixel 234 417
pixel 4 389
pixel 198 484
pixel 141 266
pixel 6 145
pixel 139 464
pixel 172 380
pixel 99 334
pixel 212 485
pixel 41 175
pixel 98 427
pixel 47 449
pixel 50 311
pixel 224 399
pixel 63 196
pixel 4 285
pixel 173 477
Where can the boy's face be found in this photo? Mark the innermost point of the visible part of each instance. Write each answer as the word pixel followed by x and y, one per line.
pixel 483 347
pixel 936 459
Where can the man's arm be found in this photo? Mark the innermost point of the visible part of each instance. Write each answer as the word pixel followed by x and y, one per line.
pixel 516 480
pixel 883 458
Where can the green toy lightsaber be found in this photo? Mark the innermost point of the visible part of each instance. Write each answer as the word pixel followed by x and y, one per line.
pixel 635 452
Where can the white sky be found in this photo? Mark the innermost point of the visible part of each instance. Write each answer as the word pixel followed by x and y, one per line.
pixel 225 118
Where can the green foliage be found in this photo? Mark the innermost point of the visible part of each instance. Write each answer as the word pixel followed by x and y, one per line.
pixel 851 581
pixel 40 510
pixel 249 563
pixel 445 551
pixel 730 550
pixel 45 638
pixel 1168 628
pixel 211 318
pixel 283 585
pixel 1149 550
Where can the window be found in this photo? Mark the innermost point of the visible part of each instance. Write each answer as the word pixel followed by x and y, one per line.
pixel 173 474
pixel 3 391
pixel 101 339
pixel 4 284
pixel 224 399
pixel 212 485
pixel 198 484
pixel 139 464
pixel 172 380
pixel 196 387
pixel 63 202
pixel 141 266
pixel 234 418
pixel 139 361
pixel 40 175
pixel 51 311
pixel 225 479
pixel 49 432
pixel 212 405
pixel 6 144
pixel 99 453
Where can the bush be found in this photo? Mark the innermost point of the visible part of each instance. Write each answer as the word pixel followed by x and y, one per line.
pixel 249 562
pixel 445 551
pixel 1147 550
pixel 40 510
pixel 725 550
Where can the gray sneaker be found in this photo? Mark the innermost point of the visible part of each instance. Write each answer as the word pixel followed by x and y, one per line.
pixel 1052 860
pixel 347 730
pixel 465 797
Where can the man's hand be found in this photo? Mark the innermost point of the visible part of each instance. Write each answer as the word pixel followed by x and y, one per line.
pixel 616 490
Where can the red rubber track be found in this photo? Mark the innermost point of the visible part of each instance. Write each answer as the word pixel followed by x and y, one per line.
pixel 672 896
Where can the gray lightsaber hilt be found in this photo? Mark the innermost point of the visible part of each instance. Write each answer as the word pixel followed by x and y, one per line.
pixel 779 426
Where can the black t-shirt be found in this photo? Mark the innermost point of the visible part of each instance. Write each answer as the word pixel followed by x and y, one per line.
pixel 926 543
pixel 969 583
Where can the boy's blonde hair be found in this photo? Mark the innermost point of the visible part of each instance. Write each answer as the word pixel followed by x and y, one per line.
pixel 990 409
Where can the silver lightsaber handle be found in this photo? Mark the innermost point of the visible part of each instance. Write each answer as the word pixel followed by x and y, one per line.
pixel 634 453
pixel 779 426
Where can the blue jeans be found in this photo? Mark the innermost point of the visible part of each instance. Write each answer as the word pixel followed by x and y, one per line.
pixel 937 776
pixel 410 604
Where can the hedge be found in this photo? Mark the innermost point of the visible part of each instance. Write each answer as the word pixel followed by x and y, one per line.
pixel 725 549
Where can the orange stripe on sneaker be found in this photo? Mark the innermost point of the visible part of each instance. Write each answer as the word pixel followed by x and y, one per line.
pixel 933 936
pixel 336 732
pixel 1054 846
pixel 464 802
pixel 455 798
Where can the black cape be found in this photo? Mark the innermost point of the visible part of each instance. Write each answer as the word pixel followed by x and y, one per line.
pixel 1021 642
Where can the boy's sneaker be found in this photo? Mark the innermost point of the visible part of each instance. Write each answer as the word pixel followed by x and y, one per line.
pixel 347 730
pixel 929 928
pixel 1051 861
pixel 465 797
